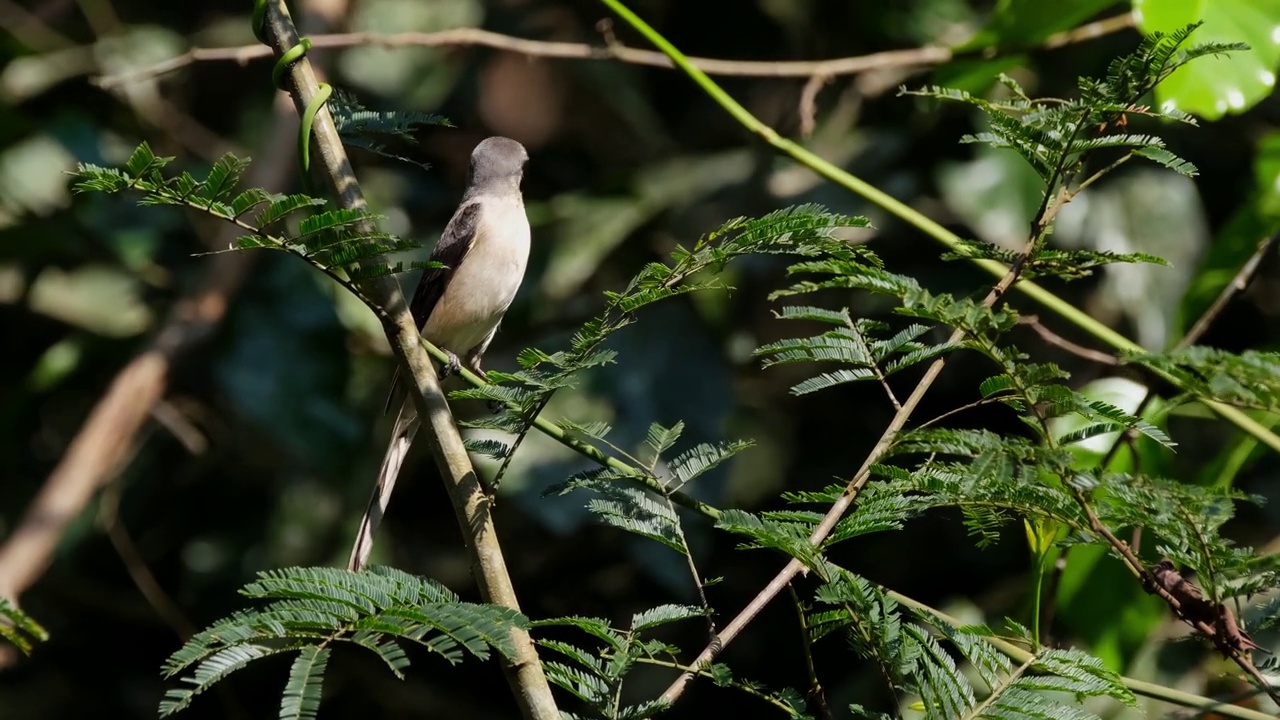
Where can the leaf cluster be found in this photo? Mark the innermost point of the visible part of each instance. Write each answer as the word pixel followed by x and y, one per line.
pixel 921 659
pixel 596 675
pixel 343 243
pixel 376 130
pixel 19 628
pixel 1250 379
pixel 308 610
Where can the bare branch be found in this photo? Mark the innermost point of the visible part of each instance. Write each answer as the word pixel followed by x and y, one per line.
pixel 926 56
pixel 1053 338
pixel 1238 284
pixel 100 448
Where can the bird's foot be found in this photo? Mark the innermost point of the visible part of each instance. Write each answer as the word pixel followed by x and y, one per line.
pixel 451 367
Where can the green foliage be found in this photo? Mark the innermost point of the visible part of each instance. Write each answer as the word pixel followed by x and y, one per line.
pixel 646 509
pixel 1052 262
pixel 914 661
pixel 1059 137
pixel 1054 135
pixel 1230 84
pixel 344 244
pixel 310 609
pixel 596 675
pixel 991 478
pixel 371 130
pixel 18 628
pixel 806 230
pixel 1250 379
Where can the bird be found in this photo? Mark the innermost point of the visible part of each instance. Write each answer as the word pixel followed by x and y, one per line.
pixel 458 305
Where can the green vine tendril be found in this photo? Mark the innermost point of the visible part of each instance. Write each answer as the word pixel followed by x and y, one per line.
pixel 291 56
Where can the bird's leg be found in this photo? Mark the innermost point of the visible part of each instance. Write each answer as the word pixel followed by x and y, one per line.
pixel 473 362
pixel 450 367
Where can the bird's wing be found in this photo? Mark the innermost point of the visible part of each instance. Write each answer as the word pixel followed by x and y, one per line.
pixel 459 235
pixel 456 241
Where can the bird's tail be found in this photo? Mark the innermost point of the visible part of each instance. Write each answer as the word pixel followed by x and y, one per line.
pixel 398 449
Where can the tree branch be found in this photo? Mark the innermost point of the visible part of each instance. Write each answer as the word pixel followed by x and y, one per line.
pixel 1238 284
pixel 1053 338
pixel 99 449
pixel 524 671
pixel 920 57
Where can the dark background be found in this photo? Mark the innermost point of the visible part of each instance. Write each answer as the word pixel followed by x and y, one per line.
pixel 283 404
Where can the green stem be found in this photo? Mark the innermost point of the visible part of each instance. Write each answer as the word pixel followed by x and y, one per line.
pixel 1052 302
pixel 1037 589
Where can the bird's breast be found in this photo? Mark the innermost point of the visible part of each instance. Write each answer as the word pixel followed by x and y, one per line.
pixel 483 285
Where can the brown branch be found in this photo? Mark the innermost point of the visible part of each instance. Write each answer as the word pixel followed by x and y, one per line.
pixel 1214 621
pixel 145 580
pixel 1053 338
pixel 1239 283
pixel 471 505
pixel 613 50
pixel 96 453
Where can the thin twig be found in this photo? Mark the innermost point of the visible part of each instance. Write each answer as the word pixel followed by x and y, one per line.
pixel 809 103
pixel 136 565
pixel 612 50
pixel 95 453
pixel 748 689
pixel 698 584
pixel 465 37
pixel 1239 283
pixel 967 406
pixel 1053 338
pixel 471 506
pixel 816 693
pixel 1205 628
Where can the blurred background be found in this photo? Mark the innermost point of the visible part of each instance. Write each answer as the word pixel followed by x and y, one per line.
pixel 257 386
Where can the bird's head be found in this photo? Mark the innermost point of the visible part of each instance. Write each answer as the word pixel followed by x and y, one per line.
pixel 498 160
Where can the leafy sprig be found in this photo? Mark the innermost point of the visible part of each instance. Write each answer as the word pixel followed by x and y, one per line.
pixel 342 243
pixel 310 609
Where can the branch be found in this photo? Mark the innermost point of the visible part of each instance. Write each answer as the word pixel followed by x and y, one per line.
pixel 1053 338
pixel 1227 644
pixel 99 449
pixel 1146 689
pixel 920 57
pixel 1238 284
pixel 1242 279
pixel 524 671
pixel 1140 687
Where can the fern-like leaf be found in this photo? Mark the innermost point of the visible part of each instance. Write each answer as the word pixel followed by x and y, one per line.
pixel 301 699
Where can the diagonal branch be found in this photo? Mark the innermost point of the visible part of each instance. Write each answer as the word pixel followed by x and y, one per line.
pixel 100 448
pixel 524 671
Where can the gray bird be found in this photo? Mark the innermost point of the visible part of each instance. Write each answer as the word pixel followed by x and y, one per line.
pixel 484 250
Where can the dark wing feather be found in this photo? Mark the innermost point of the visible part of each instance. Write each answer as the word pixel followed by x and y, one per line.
pixel 452 249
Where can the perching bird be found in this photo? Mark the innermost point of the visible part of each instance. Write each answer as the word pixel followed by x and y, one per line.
pixel 484 248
